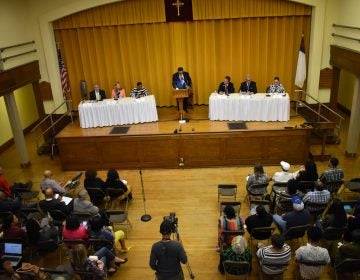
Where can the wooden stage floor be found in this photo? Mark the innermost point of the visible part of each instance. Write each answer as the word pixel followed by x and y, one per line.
pixel 197 143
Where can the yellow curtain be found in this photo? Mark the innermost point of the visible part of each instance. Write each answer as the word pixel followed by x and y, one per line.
pixel 264 46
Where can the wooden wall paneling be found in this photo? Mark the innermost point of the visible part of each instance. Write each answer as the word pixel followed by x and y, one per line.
pixel 325 80
pixel 197 150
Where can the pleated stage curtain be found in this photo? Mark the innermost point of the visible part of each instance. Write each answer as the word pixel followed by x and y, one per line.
pixel 130 41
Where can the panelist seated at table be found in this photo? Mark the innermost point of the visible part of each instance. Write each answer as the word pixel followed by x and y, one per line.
pixel 118 91
pixel 226 86
pixel 97 94
pixel 139 91
pixel 248 86
pixel 276 87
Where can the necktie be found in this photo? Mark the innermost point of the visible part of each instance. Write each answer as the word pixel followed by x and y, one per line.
pixel 226 88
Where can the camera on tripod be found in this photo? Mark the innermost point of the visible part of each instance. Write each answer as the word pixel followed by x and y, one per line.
pixel 174 221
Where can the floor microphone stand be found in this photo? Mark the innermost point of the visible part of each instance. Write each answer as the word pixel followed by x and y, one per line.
pixel 145 217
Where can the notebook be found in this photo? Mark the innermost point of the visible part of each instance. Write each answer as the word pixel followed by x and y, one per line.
pixel 12 253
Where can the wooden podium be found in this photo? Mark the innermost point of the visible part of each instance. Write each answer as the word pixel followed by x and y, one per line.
pixel 180 94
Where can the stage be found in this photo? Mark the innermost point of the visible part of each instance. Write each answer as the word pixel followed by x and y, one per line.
pixel 197 143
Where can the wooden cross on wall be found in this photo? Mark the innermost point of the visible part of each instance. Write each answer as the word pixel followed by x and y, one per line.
pixel 178 4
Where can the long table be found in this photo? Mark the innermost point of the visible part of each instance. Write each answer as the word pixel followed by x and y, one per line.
pixel 257 107
pixel 117 112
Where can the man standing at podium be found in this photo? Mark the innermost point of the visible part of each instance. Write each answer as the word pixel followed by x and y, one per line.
pixel 182 80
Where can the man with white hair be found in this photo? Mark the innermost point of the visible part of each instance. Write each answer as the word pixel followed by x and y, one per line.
pixel 283 176
pixel 238 251
pixel 48 182
pixel 298 217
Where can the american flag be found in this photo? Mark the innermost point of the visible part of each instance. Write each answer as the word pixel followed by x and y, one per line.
pixel 63 74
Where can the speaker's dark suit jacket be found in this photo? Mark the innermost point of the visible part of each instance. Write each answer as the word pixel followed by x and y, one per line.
pixel 250 88
pixel 176 81
pixel 101 92
pixel 222 87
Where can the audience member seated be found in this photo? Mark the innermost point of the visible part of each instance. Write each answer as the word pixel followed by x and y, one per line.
pixel 298 217
pixel 97 230
pixel 12 227
pixel 276 87
pixel 73 229
pixel 283 199
pixel 81 205
pixel 118 91
pixel 319 195
pixel 339 251
pixel 333 173
pixel 92 180
pixel 274 258
pixel 239 251
pixel 284 175
pixel 50 203
pixel 105 258
pixel 113 181
pixel 229 222
pixel 258 177
pixel 312 252
pixel 308 173
pixel 8 189
pixel 41 229
pixel 335 217
pixel 139 91
pixel 226 86
pixel 353 221
pixel 258 218
pixel 48 182
pixel 8 204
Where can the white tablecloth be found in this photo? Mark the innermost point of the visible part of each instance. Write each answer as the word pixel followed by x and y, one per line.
pixel 257 107
pixel 118 112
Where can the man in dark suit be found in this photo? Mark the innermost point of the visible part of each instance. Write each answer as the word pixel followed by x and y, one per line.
pixel 248 86
pixel 226 86
pixel 97 94
pixel 182 80
pixel 50 203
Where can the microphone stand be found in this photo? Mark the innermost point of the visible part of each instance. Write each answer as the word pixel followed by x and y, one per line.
pixel 145 217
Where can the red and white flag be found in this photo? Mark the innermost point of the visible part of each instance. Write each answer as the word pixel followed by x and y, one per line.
pixel 63 74
pixel 301 66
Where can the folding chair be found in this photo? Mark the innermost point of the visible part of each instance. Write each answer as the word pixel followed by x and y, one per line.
pixel 120 217
pixel 348 265
pixel 334 186
pixel 261 233
pixel 295 232
pixel 256 190
pixel 227 190
pixel 236 269
pixel 315 209
pixel 97 196
pixel 114 195
pixel 265 203
pixel 307 263
pixel 235 204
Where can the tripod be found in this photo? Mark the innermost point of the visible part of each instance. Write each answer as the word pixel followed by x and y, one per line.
pixel 145 217
pixel 176 236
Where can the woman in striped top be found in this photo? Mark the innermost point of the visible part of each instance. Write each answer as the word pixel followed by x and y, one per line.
pixel 274 259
